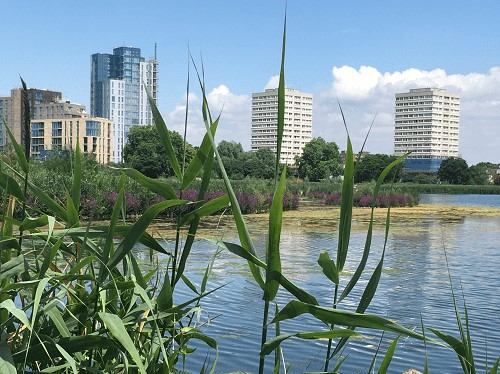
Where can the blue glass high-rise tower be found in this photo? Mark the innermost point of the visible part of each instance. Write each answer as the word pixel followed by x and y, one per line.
pixel 118 85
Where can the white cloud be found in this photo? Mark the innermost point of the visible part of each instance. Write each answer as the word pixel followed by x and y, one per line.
pixel 234 110
pixel 273 82
pixel 366 93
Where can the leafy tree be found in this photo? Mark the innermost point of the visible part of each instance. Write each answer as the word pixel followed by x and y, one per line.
pixel 233 159
pixel 454 170
pixel 422 178
pixel 319 160
pixel 260 164
pixel 371 166
pixel 478 173
pixel 145 152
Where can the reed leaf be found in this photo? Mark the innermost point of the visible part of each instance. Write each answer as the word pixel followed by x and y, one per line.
pixel 206 209
pixel 71 361
pixel 328 267
pixel 165 137
pixel 135 232
pixel 272 344
pixel 346 208
pixel 281 102
pixel 384 366
pixel 13 267
pixel 156 186
pixel 193 227
pixel 49 257
pixel 453 342
pixel 118 330
pixel 21 157
pixel 200 158
pixel 366 251
pixel 243 234
pixel 280 278
pixel 10 185
pixel 115 215
pixel 494 369
pixel 44 198
pixel 342 317
pixel 71 211
pixel 274 235
pixel 6 361
pixel 77 177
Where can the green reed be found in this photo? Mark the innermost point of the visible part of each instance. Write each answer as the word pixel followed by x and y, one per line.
pixel 75 298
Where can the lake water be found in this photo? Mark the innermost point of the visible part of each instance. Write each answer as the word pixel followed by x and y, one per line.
pixel 414 283
pixel 462 200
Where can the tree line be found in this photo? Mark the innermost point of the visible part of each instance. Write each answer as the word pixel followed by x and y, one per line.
pixel 320 160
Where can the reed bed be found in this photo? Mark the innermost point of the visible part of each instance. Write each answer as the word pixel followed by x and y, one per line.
pixel 75 298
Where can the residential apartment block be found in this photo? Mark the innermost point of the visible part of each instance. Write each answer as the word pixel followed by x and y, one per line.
pixel 118 91
pixel 427 124
pixel 298 122
pixel 12 110
pixel 94 134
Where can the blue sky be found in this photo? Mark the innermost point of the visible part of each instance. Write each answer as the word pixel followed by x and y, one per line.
pixel 358 52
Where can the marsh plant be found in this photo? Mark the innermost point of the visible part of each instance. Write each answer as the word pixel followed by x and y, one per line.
pixel 75 298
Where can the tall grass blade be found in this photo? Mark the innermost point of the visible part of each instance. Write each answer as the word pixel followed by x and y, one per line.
pixel 71 361
pixel 49 257
pixel 426 361
pixel 71 211
pixel 388 357
pixel 26 119
pixel 299 293
pixel 281 103
pixel 328 267
pixel 77 176
pixel 51 204
pixel 118 330
pixel 243 234
pixel 342 317
pixel 274 236
pixel 366 251
pixel 138 229
pixel 200 158
pixel 21 157
pixel 115 216
pixel 272 344
pixel 165 137
pixel 346 208
pixel 206 209
pixel 6 361
pixel 494 369
pixel 193 227
pixel 156 186
pixel 13 267
pixel 10 185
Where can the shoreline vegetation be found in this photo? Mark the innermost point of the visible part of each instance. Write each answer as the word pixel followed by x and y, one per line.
pixel 77 300
pixel 326 217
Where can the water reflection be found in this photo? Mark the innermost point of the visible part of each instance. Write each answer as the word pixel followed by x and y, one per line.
pixel 414 284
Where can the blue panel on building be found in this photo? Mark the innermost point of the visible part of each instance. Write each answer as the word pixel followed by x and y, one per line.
pixel 422 164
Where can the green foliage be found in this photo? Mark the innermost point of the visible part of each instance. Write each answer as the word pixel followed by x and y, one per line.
pixel 417 189
pixel 454 170
pixel 319 160
pixel 370 166
pixel 144 151
pixel 240 164
pixel 478 173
